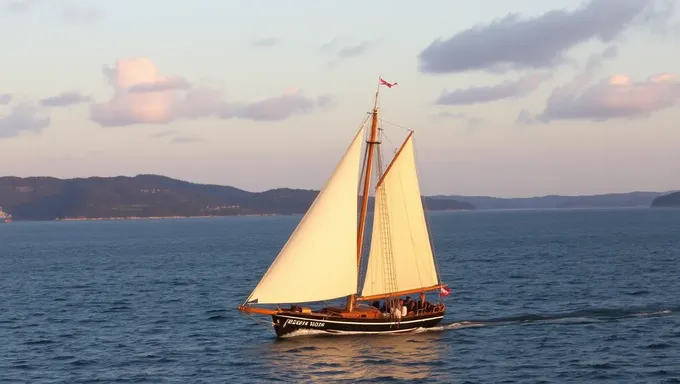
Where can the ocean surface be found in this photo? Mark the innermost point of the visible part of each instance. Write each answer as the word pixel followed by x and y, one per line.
pixel 537 297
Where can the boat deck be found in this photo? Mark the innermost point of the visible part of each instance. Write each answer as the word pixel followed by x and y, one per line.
pixel 360 312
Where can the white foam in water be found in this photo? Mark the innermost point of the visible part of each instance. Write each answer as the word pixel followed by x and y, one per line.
pixel 657 313
pixel 446 327
pixel 305 332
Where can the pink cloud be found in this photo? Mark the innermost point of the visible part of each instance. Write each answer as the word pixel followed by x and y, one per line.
pixel 128 106
pixel 617 96
pixel 144 96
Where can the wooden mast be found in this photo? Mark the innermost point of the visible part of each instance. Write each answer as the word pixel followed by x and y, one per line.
pixel 372 142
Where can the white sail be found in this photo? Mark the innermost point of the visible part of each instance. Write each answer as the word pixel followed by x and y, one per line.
pixel 319 261
pixel 401 255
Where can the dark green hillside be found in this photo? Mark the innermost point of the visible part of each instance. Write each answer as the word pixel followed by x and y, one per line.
pixel 670 200
pixel 46 198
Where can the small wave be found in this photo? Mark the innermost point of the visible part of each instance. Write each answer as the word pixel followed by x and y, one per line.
pixel 63 357
pixel 120 308
pixel 81 362
pixel 75 286
pixel 303 349
pixel 658 346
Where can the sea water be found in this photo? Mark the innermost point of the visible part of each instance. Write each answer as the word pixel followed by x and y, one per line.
pixel 537 296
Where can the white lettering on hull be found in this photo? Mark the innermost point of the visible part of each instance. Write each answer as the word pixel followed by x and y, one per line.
pixel 304 323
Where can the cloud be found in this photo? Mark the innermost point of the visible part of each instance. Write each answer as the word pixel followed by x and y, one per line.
pixel 177 139
pixel 471 123
pixel 67 13
pixel 538 42
pixel 24 117
pixel 274 108
pixel 186 139
pixel 595 61
pixel 65 99
pixel 5 98
pixel 615 97
pixel 143 96
pixel 21 5
pixel 335 42
pixel 160 85
pixel 450 115
pixel 579 82
pixel 164 133
pixel 343 50
pixel 483 94
pixel 267 42
pixel 353 50
pixel 525 118
pixel 474 123
pixel 77 15
pixel 129 107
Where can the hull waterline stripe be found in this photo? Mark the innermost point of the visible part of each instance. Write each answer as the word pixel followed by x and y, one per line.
pixel 370 332
pixel 356 323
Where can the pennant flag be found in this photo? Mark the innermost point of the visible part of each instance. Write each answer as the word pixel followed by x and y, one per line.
pixel 444 291
pixel 389 85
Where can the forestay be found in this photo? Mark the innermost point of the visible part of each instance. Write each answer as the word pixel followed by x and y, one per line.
pixel 319 260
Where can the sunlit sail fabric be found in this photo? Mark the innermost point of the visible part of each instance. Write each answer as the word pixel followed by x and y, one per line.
pixel 319 260
pixel 400 256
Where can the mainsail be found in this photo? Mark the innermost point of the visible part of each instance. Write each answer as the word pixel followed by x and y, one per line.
pixel 319 260
pixel 400 257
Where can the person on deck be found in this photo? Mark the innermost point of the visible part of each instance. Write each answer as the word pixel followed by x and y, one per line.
pixel 396 312
pixel 412 307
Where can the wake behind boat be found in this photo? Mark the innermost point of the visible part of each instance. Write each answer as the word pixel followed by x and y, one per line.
pixel 322 259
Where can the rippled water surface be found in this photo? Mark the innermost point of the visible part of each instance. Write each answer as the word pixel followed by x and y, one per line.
pixel 537 296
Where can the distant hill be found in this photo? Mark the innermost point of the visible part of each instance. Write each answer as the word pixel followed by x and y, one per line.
pixel 48 198
pixel 611 200
pixel 670 200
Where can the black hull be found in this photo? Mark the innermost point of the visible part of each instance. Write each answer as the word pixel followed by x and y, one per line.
pixel 287 323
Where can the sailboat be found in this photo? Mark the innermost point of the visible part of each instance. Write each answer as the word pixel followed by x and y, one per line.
pixel 322 259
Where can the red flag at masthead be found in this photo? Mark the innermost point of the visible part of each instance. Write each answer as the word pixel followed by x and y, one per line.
pixel 389 85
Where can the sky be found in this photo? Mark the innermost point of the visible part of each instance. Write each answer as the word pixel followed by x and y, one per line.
pixel 506 98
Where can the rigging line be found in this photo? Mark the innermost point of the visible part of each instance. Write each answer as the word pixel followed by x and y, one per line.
pixel 260 321
pixel 397 125
pixel 389 271
pixel 384 136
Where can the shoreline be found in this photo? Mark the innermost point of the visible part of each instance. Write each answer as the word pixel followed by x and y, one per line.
pixel 156 217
